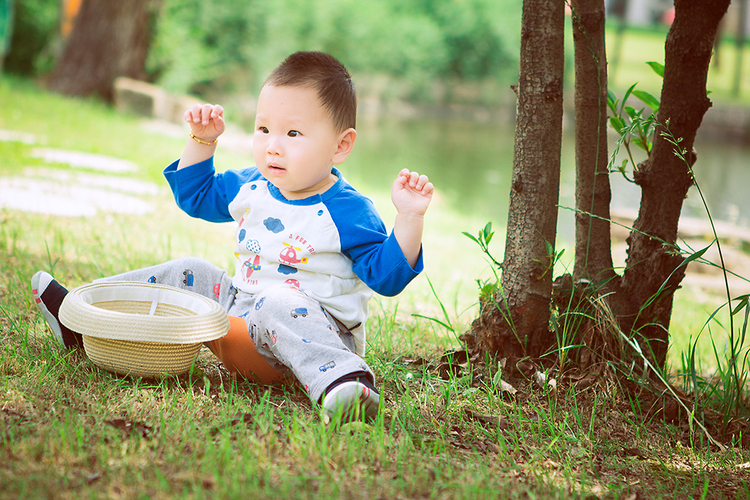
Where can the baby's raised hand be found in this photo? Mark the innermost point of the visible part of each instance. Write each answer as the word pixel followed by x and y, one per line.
pixel 411 193
pixel 206 121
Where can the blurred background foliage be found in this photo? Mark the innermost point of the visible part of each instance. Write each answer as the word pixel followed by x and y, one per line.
pixel 396 49
pixel 35 39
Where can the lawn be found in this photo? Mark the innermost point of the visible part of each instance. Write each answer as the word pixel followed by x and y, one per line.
pixel 69 430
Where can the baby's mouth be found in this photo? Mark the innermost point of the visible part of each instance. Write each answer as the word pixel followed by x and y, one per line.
pixel 275 168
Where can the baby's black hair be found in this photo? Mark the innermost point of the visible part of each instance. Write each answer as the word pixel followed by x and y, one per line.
pixel 328 76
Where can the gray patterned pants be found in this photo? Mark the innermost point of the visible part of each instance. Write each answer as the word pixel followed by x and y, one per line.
pixel 292 331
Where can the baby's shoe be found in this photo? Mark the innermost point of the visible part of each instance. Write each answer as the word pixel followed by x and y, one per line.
pixel 49 294
pixel 351 400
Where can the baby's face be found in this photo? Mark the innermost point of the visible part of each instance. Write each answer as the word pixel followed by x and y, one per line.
pixel 295 142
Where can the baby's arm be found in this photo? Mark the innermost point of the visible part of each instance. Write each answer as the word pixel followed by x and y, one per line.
pixel 206 125
pixel 411 195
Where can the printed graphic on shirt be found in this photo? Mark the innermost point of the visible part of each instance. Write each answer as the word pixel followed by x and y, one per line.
pixel 292 254
pixel 217 289
pixel 189 279
pixel 247 212
pixel 289 255
pixel 250 268
pixel 251 244
pixel 284 269
pixel 274 225
pixel 293 282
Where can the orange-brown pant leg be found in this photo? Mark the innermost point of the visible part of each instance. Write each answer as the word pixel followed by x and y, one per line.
pixel 237 351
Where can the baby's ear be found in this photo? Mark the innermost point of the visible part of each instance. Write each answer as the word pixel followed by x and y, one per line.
pixel 346 143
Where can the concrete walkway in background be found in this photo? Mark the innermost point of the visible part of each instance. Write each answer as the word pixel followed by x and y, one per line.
pixel 88 184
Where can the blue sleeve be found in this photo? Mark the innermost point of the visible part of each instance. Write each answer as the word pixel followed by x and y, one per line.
pixel 376 255
pixel 202 193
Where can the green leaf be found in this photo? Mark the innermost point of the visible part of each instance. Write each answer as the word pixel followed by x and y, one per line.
pixel 627 94
pixel 632 113
pixel 471 237
pixel 650 101
pixel 497 378
pixel 487 233
pixel 696 255
pixel 743 303
pixel 612 101
pixel 617 124
pixel 434 320
pixel 657 67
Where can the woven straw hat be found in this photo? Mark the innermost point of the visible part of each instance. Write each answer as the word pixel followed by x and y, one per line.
pixel 142 329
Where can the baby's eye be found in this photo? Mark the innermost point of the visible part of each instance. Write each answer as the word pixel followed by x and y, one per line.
pixel 293 133
pixel 263 129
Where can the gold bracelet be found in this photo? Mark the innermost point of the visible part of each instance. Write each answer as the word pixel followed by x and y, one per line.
pixel 193 137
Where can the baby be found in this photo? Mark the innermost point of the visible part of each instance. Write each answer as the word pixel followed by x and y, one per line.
pixel 310 250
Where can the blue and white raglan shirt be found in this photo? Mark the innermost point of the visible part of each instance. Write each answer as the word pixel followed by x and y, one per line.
pixel 333 246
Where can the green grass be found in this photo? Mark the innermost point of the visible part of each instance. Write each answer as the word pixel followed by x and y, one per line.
pixel 69 430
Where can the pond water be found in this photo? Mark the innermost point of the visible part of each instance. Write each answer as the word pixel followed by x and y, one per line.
pixel 471 164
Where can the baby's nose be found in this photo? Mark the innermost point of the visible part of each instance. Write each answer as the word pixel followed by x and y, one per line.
pixel 274 147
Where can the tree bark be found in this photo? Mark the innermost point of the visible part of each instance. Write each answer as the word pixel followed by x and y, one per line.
pixel 532 218
pixel 109 39
pixel 665 179
pixel 593 257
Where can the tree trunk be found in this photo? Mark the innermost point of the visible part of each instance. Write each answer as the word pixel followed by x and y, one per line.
pixel 593 257
pixel 109 39
pixel 665 179
pixel 532 218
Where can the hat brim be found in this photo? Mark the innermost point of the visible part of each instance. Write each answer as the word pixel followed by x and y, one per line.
pixel 145 312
